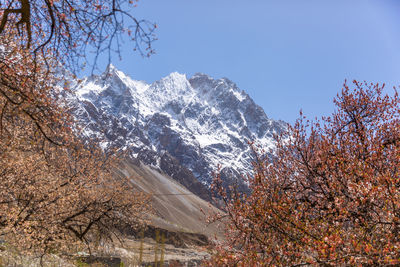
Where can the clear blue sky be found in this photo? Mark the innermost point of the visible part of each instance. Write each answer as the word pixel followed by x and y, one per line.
pixel 286 54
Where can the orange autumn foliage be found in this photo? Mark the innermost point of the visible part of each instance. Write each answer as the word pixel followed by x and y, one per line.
pixel 331 194
pixel 57 192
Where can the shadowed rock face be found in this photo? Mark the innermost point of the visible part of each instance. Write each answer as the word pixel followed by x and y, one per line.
pixel 184 127
pixel 184 176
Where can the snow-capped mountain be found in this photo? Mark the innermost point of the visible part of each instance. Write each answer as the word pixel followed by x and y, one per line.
pixel 185 127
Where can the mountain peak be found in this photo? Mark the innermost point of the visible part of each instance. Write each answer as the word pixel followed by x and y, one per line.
pixel 175 77
pixel 109 73
pixel 201 75
pixel 173 85
pixel 110 68
pixel 201 121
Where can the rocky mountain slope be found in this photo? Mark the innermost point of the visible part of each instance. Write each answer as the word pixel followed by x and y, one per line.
pixel 186 127
pixel 175 208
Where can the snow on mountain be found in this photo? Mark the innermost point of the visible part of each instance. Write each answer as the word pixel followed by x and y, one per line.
pixel 199 122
